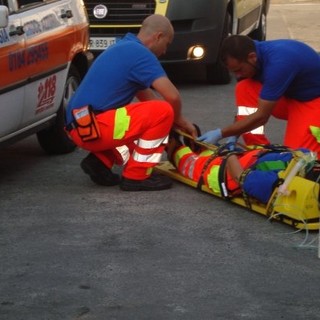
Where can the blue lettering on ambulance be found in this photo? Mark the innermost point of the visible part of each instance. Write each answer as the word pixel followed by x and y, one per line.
pixel 16 60
pixel 4 37
pixel 36 54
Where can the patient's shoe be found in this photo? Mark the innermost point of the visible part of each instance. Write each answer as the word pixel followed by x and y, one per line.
pixel 191 143
pixel 173 144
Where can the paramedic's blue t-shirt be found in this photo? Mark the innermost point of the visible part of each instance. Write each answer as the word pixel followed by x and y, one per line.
pixel 288 68
pixel 116 76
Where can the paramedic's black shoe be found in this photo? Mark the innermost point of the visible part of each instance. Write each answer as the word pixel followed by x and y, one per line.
pixel 155 182
pixel 98 172
pixel 190 143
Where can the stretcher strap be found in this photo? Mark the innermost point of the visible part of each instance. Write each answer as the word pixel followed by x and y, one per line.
pixel 241 182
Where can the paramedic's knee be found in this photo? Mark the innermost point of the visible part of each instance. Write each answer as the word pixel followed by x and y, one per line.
pixel 164 113
pixel 167 108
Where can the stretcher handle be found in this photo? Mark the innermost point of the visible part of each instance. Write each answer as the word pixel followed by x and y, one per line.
pixel 199 143
pixel 205 144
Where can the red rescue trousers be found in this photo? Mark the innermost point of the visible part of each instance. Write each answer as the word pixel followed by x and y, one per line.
pixel 303 117
pixel 135 139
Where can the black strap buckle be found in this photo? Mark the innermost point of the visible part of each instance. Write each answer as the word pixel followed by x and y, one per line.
pixel 72 125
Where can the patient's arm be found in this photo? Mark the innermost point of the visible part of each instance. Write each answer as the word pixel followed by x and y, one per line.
pixel 234 167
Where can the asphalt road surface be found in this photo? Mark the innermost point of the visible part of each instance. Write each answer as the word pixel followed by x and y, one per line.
pixel 73 250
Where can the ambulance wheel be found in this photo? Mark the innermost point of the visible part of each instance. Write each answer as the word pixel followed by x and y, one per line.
pixel 54 139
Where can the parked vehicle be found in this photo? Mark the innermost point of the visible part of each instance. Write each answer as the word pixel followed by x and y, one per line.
pixel 43 56
pixel 200 26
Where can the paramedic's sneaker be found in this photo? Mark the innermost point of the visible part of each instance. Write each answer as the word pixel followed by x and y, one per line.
pixel 154 183
pixel 98 172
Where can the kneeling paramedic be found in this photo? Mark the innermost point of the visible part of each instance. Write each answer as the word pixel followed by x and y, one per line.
pixel 279 78
pixel 103 118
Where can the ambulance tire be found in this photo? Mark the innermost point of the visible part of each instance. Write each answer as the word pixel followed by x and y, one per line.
pixel 54 139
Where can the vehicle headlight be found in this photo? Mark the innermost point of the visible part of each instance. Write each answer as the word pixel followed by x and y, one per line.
pixel 196 52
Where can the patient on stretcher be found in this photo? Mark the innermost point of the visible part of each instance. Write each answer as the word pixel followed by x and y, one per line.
pixel 248 172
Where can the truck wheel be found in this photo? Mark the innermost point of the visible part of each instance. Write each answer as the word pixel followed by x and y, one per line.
pixel 54 140
pixel 217 73
pixel 261 32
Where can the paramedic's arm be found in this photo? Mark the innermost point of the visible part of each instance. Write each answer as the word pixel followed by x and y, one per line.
pixel 252 121
pixel 146 95
pixel 170 93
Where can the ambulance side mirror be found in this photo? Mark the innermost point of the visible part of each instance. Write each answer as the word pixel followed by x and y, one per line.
pixel 4 16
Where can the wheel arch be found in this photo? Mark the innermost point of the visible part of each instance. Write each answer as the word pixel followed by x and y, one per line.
pixel 82 62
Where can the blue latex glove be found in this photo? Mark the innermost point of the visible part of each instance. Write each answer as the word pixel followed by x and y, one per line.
pixel 231 143
pixel 212 136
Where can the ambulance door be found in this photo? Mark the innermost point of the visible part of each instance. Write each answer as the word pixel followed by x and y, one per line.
pixel 13 74
pixel 49 35
pixel 248 15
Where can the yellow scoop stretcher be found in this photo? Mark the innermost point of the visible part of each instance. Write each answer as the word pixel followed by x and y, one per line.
pixel 295 202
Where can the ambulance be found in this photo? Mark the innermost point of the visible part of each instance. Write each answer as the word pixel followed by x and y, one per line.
pixel 200 26
pixel 43 57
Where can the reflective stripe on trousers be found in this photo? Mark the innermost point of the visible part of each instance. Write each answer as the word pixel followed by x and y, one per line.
pixel 246 111
pixel 247 93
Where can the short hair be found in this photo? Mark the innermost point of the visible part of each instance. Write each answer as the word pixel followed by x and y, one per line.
pixel 237 47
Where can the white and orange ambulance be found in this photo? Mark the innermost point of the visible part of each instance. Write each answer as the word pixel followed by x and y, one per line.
pixel 43 56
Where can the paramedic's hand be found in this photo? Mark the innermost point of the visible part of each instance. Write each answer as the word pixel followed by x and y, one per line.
pixel 212 136
pixel 185 125
pixel 231 143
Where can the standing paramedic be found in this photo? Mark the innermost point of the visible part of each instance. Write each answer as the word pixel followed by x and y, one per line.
pixel 276 77
pixel 103 118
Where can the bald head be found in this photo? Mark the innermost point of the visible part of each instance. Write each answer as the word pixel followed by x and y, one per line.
pixel 156 33
pixel 156 23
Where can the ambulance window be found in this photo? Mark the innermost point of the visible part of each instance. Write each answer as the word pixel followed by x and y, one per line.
pixel 23 3
pixel 12 5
